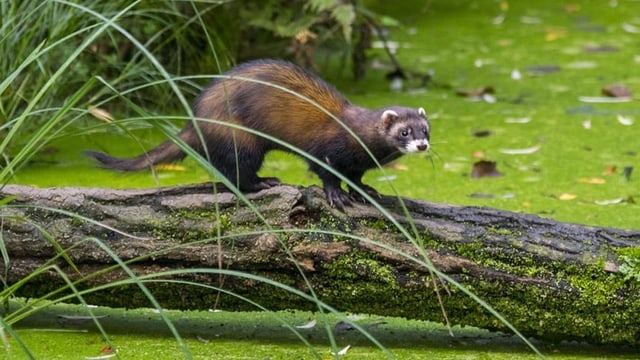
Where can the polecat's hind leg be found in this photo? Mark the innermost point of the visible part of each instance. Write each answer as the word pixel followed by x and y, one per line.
pixel 243 171
pixel 261 183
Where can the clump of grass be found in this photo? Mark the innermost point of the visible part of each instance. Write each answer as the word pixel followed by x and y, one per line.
pixel 68 59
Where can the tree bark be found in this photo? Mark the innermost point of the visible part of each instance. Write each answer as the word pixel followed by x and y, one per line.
pixel 549 279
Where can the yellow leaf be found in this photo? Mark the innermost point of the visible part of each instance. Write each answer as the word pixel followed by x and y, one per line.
pixel 504 6
pixel 567 196
pixel 593 180
pixel 169 167
pixel 553 35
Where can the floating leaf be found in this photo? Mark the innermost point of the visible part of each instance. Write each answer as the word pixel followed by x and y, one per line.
pixel 616 90
pixel 101 357
pixel 610 170
pixel 611 201
pixel 477 154
pixel 482 133
pixel 475 92
pixel 498 19
pixel 488 98
pixel 485 168
pixel 311 324
pixel 554 34
pixel 106 350
pixel 202 339
pixel 602 99
pixel 582 65
pixel 525 151
pixel 625 120
pixel 593 180
pixel 480 94
pixel 567 196
pixel 522 120
pixel 630 28
pixel 591 28
pixel 169 167
pixel 543 69
pixel 601 49
pixel 530 20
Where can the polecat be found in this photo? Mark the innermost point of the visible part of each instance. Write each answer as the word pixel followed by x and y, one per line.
pixel 243 97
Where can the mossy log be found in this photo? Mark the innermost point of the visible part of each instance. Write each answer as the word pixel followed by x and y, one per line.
pixel 551 280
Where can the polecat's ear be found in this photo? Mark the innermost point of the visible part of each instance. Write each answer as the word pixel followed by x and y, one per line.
pixel 422 113
pixel 389 117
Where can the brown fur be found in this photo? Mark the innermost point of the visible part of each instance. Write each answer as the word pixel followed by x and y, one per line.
pixel 283 115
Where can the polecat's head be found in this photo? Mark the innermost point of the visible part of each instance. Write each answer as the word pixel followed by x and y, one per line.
pixel 409 128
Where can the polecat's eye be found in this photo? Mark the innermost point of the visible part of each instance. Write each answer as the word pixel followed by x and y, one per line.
pixel 404 133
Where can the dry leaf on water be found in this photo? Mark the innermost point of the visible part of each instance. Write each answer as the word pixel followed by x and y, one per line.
pixel 542 69
pixel 592 180
pixel 482 133
pixel 484 168
pixel 309 325
pixel 611 201
pixel 521 120
pixel 625 120
pixel 525 151
pixel 610 170
pixel 601 49
pixel 630 28
pixel 617 91
pixel 478 154
pixel 566 196
pixel 484 94
pixel 603 99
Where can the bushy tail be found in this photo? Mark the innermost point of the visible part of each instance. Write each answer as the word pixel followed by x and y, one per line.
pixel 165 153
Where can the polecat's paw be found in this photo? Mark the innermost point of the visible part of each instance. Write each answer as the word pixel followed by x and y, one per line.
pixel 270 181
pixel 338 198
pixel 262 183
pixel 366 188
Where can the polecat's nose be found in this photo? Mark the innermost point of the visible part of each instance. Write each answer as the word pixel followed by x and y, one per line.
pixel 422 147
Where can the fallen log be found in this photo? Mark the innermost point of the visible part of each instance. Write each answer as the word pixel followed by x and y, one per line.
pixel 551 280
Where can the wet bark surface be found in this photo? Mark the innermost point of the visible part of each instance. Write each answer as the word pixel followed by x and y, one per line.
pixel 549 279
